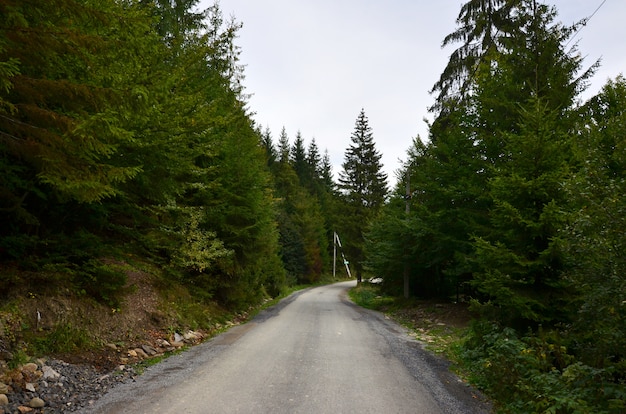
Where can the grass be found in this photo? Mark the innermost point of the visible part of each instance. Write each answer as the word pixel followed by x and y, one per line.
pixel 369 297
pixel 434 324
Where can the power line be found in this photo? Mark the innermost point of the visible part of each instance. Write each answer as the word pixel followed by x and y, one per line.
pixel 585 23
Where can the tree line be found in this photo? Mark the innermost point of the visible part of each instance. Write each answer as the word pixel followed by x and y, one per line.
pixel 124 130
pixel 515 205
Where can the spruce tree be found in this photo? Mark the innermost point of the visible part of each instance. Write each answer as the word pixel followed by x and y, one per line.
pixel 298 159
pixel 284 149
pixel 326 173
pixel 523 107
pixel 364 189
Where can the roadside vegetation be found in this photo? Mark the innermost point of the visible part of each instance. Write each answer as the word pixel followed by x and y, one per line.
pixel 520 374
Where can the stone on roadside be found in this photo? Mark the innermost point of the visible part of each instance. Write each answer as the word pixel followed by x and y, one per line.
pixel 30 387
pixel 163 343
pixel 192 336
pixel 36 403
pixel 49 373
pixel 4 400
pixel 31 367
pixel 4 389
pixel 140 353
pixel 132 353
pixel 111 346
pixel 177 344
pixel 149 350
pixel 22 409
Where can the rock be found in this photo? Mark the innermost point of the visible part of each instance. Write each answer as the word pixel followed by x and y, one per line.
pixel 49 373
pixel 111 346
pixel 140 353
pixel 177 344
pixel 178 337
pixel 163 343
pixel 36 403
pixel 30 387
pixel 132 353
pixel 4 389
pixel 31 367
pixel 4 400
pixel 149 350
pixel 75 389
pixel 192 336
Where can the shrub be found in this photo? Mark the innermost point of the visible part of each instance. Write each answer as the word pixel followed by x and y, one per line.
pixel 536 374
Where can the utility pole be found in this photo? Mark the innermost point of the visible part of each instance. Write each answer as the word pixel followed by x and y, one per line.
pixel 337 241
pixel 334 253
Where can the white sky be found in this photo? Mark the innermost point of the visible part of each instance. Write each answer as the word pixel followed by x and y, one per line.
pixel 311 65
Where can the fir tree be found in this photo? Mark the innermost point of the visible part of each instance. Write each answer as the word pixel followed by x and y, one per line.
pixel 364 189
pixel 362 180
pixel 314 160
pixel 284 149
pixel 298 159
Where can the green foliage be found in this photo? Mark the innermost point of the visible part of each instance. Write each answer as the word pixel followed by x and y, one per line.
pixel 18 359
pixel 537 374
pixel 513 198
pixel 363 188
pixel 127 121
pixel 302 226
pixel 594 239
pixel 63 339
pixel 369 297
pixel 101 281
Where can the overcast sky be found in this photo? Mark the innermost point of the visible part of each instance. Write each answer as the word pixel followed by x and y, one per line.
pixel 311 65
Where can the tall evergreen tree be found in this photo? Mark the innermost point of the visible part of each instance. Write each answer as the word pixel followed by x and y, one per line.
pixel 594 240
pixel 528 152
pixel 268 144
pixel 298 159
pixel 362 179
pixel 314 160
pixel 284 149
pixel 364 189
pixel 483 24
pixel 326 173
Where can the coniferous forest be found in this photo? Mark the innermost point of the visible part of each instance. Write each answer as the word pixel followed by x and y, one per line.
pixel 125 132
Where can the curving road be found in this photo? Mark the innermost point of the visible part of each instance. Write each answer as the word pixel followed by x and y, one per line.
pixel 315 352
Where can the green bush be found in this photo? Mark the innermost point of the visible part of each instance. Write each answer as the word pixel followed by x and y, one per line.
pixel 101 281
pixel 536 374
pixel 369 297
pixel 64 338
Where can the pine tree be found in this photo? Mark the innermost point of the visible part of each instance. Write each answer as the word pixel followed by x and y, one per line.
pixel 364 189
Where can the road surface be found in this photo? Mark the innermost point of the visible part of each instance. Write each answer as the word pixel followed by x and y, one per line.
pixel 315 352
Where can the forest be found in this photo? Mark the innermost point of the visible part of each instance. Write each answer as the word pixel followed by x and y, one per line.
pixel 125 132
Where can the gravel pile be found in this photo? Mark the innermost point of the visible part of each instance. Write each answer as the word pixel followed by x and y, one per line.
pixel 63 387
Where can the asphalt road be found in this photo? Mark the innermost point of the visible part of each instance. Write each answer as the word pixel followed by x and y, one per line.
pixel 315 352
